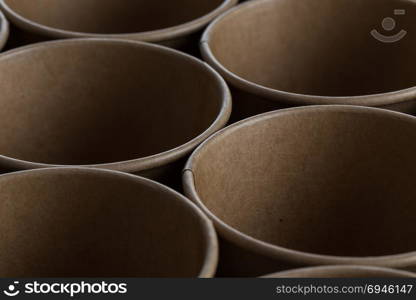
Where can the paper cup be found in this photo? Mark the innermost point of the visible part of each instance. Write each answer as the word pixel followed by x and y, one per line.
pixel 4 30
pixel 343 272
pixel 172 23
pixel 317 185
pixel 80 222
pixel 113 104
pixel 284 53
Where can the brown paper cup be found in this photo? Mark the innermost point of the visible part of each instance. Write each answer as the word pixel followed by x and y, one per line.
pixel 172 23
pixel 113 104
pixel 343 272
pixel 80 222
pixel 284 53
pixel 318 185
pixel 4 30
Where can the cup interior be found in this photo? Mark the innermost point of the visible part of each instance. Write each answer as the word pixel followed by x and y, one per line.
pixel 320 48
pixel 87 101
pixel 324 180
pixel 112 17
pixel 72 223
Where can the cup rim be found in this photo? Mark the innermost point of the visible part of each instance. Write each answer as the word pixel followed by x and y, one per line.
pixel 158 35
pixel 343 268
pixel 370 100
pixel 258 246
pixel 4 30
pixel 147 162
pixel 210 261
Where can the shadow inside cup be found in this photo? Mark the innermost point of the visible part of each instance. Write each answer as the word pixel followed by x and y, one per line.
pixel 310 186
pixel 172 23
pixel 74 222
pixel 121 105
pixel 283 53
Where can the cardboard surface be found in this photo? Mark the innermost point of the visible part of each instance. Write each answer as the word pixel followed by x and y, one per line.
pixel 74 222
pixel 167 22
pixel 343 272
pixel 113 104
pixel 315 185
pixel 290 53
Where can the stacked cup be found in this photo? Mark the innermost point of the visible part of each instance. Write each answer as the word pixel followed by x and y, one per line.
pixel 77 112
pixel 171 23
pixel 315 178
pixel 283 53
